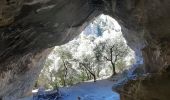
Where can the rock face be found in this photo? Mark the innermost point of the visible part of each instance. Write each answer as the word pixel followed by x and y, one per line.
pixel 18 79
pixel 29 27
pixel 146 28
pixel 152 87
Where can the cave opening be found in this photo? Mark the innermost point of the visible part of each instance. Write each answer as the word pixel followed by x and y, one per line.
pixel 26 40
pixel 99 53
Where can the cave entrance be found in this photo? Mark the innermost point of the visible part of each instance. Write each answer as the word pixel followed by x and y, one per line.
pixel 100 51
pixel 95 59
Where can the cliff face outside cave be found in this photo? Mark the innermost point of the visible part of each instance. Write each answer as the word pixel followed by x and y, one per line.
pixel 28 28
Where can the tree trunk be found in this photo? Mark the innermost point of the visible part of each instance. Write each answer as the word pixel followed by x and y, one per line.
pixel 51 78
pixel 94 76
pixel 98 72
pixel 113 69
pixel 87 74
pixel 113 63
pixel 65 73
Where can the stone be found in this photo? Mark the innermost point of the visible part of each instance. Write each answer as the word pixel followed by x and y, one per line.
pixel 28 28
pixel 152 87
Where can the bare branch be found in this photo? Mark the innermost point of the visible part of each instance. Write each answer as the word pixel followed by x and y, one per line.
pixel 107 58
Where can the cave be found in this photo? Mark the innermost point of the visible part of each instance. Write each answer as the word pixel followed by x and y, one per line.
pixel 31 28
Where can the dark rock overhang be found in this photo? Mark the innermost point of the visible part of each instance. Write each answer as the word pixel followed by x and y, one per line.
pixel 29 27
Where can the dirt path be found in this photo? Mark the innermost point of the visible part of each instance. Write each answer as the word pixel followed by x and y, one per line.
pixel 100 90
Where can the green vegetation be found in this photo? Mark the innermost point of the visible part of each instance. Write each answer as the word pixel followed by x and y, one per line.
pixel 87 57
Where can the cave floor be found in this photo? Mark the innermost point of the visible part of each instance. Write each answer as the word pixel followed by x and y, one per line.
pixel 100 90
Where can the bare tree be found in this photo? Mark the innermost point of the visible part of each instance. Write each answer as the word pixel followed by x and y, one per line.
pixel 113 51
pixel 88 64
pixel 65 57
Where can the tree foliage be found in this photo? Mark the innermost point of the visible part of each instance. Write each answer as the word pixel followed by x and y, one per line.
pixel 87 57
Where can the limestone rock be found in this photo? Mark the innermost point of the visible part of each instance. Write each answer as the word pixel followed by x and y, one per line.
pixel 29 27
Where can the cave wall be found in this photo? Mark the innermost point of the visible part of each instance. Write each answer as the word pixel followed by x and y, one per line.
pixel 40 24
pixel 146 27
pixel 29 27
pixel 153 87
pixel 21 74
